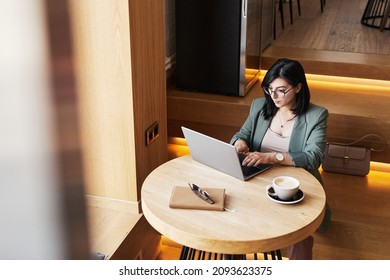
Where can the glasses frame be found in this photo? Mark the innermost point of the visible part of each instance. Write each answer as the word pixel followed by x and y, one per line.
pixel 270 92
pixel 201 193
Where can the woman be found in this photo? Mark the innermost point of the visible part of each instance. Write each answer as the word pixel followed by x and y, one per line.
pixel 285 128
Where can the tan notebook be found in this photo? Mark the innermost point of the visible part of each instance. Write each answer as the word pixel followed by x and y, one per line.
pixel 183 197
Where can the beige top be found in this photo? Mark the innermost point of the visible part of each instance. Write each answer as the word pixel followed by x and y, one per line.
pixel 274 142
pixel 255 223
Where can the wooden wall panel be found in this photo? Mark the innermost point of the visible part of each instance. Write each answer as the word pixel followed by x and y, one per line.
pixel 119 47
pixel 148 76
pixel 120 69
pixel 101 39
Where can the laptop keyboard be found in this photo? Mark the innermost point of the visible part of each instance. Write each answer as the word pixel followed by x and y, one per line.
pixel 249 170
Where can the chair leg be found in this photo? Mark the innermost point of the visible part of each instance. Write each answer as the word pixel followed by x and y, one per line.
pixel 280 8
pixel 385 17
pixel 279 254
pixel 275 255
pixel 274 23
pixel 281 13
pixel 192 254
pixel 322 5
pixel 291 9
pixel 184 252
pixel 299 7
pixel 201 255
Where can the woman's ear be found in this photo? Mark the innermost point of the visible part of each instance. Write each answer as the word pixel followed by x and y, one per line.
pixel 299 87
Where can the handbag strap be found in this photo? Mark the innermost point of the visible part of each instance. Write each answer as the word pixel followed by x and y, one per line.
pixel 365 137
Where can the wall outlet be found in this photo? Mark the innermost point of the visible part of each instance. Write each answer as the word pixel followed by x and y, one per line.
pixel 151 133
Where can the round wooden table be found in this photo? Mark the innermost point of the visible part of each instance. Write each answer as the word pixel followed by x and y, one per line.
pixel 255 223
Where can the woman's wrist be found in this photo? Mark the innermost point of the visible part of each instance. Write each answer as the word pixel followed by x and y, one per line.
pixel 282 158
pixel 272 158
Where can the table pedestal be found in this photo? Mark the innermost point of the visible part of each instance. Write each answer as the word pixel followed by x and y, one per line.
pixel 193 254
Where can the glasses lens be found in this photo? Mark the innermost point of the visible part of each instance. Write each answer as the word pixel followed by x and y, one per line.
pixel 269 91
pixel 280 92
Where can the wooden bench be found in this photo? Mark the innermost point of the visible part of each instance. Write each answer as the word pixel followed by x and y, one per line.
pixel 344 64
pixel 356 106
pixel 118 233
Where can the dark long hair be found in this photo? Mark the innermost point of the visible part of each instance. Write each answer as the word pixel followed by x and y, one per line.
pixel 291 71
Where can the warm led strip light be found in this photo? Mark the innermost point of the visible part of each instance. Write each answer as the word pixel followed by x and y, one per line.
pixel 381 84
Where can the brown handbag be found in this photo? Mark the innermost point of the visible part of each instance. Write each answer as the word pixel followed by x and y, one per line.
pixel 345 158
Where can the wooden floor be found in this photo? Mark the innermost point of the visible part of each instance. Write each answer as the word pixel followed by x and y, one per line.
pixel 360 224
pixel 338 28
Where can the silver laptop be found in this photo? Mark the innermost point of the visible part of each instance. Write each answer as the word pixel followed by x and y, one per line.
pixel 219 155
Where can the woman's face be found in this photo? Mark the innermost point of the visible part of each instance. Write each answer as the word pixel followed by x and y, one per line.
pixel 282 93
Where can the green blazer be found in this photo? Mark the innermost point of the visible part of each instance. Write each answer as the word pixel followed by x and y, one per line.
pixel 308 138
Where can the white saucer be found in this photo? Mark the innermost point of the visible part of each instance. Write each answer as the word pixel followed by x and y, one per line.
pixel 297 198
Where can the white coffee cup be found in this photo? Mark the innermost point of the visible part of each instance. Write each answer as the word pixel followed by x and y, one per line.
pixel 285 187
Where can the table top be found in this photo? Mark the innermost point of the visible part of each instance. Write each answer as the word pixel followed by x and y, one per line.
pixel 255 223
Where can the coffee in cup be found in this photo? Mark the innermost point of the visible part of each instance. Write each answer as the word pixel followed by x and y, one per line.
pixel 284 187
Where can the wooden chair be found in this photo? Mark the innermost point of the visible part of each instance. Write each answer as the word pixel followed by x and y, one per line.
pixel 281 11
pixel 290 2
pixel 376 14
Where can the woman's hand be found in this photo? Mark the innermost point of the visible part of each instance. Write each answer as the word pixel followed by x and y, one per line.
pixel 256 158
pixel 241 146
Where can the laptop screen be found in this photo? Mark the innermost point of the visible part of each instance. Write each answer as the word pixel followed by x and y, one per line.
pixel 218 155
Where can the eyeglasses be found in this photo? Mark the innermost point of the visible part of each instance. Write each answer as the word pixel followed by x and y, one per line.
pixel 201 193
pixel 278 91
